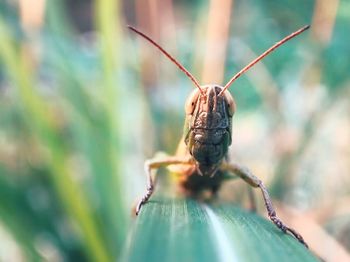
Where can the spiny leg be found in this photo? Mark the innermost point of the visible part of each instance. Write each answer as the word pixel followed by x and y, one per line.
pixel 252 180
pixel 155 163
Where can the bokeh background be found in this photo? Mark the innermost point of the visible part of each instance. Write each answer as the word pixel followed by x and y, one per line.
pixel 84 102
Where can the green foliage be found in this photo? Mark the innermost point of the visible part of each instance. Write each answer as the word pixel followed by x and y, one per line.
pixel 71 136
pixel 77 109
pixel 185 230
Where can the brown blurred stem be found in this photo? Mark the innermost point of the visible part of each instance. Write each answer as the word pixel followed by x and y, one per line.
pixel 216 41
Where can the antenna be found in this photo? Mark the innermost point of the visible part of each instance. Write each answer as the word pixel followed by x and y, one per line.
pixel 268 51
pixel 181 67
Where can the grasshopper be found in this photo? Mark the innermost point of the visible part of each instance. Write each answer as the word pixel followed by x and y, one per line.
pixel 201 157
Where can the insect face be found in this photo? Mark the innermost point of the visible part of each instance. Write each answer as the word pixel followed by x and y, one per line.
pixel 208 120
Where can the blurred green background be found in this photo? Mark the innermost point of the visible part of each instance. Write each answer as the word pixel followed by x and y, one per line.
pixel 84 102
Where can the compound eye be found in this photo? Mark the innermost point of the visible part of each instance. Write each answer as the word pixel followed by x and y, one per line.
pixel 231 105
pixel 191 102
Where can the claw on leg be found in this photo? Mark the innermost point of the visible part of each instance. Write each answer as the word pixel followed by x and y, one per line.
pixel 286 229
pixel 252 180
pixel 161 160
pixel 272 215
pixel 144 199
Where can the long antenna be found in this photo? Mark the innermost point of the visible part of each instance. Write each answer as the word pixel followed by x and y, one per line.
pixel 182 68
pixel 246 68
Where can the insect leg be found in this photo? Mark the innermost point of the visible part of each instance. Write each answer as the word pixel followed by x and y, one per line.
pixel 252 180
pixel 155 163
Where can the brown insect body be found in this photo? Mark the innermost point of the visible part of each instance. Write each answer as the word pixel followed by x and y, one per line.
pixel 206 139
pixel 200 186
pixel 207 136
pixel 209 121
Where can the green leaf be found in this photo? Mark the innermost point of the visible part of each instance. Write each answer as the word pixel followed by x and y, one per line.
pixel 186 230
pixel 42 121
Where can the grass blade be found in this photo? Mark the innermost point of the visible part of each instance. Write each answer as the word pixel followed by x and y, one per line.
pixel 186 230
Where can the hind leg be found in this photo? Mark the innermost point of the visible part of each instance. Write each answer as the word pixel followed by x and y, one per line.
pixel 252 180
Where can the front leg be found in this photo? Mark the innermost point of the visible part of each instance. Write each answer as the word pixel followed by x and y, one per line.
pixel 252 180
pixel 160 160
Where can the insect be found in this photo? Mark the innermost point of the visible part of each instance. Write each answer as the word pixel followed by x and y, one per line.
pixel 200 159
